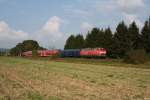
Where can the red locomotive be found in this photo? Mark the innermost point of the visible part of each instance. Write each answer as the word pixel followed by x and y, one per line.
pixel 99 52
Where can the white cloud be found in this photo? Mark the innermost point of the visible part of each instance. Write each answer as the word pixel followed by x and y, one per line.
pixel 3 26
pixel 129 18
pixel 52 25
pixel 8 36
pixel 130 6
pixel 85 26
pixel 50 35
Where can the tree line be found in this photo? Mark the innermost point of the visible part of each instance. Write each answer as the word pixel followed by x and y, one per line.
pixel 124 39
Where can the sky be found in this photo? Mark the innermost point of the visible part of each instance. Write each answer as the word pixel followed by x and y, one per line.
pixel 51 22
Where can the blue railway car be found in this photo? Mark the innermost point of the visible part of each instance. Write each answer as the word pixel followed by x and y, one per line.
pixel 70 53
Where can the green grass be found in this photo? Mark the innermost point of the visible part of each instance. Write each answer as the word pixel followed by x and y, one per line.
pixel 72 79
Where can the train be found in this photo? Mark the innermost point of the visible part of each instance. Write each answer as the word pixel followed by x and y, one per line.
pixel 87 52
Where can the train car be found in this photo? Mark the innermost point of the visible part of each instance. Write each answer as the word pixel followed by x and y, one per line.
pixel 27 54
pixel 46 53
pixel 42 53
pixel 70 53
pixel 93 52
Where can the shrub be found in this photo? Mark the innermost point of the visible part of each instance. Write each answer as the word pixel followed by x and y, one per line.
pixel 135 56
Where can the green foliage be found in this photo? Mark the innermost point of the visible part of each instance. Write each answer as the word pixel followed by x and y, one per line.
pixel 108 41
pixel 136 56
pixel 79 41
pixel 17 50
pixel 70 42
pixel 145 36
pixel 27 45
pixel 93 38
pixel 133 36
pixel 74 42
pixel 120 40
pixel 30 45
pixel 125 39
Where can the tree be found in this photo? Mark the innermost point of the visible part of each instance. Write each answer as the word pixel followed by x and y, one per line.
pixel 79 41
pixel 100 38
pixel 17 50
pixel 108 41
pixel 75 42
pixel 27 45
pixel 145 36
pixel 92 38
pixel 70 42
pixel 133 36
pixel 120 42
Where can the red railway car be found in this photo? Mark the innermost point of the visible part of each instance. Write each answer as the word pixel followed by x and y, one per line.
pixel 28 54
pixel 42 53
pixel 99 52
pixel 46 53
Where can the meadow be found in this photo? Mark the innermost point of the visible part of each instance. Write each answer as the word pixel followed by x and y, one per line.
pixel 72 79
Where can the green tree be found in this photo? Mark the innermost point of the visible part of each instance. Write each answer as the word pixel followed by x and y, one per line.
pixel 100 38
pixel 75 42
pixel 133 36
pixel 108 41
pixel 17 50
pixel 70 42
pixel 27 45
pixel 120 41
pixel 145 36
pixel 92 38
pixel 79 41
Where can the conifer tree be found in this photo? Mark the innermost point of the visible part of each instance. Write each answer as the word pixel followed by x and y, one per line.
pixel 92 38
pixel 70 42
pixel 145 36
pixel 133 36
pixel 120 42
pixel 108 40
pixel 79 41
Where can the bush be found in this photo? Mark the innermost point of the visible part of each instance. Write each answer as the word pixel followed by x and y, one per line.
pixel 135 56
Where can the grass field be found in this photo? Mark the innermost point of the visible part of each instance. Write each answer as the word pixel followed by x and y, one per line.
pixel 26 79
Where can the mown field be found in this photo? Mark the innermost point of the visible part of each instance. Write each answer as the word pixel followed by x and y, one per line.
pixel 27 79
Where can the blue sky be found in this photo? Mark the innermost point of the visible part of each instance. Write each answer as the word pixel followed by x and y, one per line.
pixel 50 22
